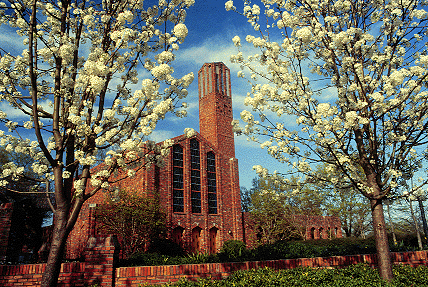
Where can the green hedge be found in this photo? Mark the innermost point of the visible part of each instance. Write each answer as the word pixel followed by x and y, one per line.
pixel 235 251
pixel 352 276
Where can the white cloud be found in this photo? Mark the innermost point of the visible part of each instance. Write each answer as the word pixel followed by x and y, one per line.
pixel 12 113
pixel 213 49
pixel 10 41
pixel 160 135
pixel 242 141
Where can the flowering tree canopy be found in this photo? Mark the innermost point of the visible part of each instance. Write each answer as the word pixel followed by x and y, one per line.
pixel 347 83
pixel 90 75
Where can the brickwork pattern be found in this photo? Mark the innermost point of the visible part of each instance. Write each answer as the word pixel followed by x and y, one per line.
pixel 132 276
pixel 216 136
pixel 101 255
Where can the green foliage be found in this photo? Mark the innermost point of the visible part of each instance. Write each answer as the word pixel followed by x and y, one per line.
pixel 232 250
pixel 235 251
pixel 359 275
pixel 272 206
pixel 156 259
pixel 165 246
pixel 137 220
pixel 344 201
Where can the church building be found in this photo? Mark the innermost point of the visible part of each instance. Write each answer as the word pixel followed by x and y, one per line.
pixel 198 186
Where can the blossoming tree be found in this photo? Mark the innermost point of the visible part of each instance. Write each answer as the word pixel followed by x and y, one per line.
pixel 347 83
pixel 74 88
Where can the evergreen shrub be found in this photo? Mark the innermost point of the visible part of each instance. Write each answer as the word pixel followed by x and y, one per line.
pixel 359 275
pixel 235 251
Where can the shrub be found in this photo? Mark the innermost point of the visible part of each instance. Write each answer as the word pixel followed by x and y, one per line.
pixel 233 250
pixel 166 247
pixel 155 259
pixel 359 275
pixel 137 220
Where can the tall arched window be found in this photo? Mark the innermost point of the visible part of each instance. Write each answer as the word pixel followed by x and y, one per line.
pixel 195 176
pixel 321 233
pixel 177 235
pixel 196 239
pixel 177 179
pixel 312 233
pixel 213 240
pixel 211 183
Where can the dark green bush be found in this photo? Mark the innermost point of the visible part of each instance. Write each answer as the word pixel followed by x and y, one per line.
pixel 353 276
pixel 155 259
pixel 166 247
pixel 233 250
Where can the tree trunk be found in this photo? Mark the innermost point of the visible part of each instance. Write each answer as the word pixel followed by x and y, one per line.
pixel 382 246
pixel 424 219
pixel 394 238
pixel 56 252
pixel 415 222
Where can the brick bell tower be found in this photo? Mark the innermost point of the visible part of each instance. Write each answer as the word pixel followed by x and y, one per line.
pixel 215 107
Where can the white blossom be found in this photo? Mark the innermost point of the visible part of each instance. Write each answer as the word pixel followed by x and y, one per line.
pixel 189 132
pixel 180 31
pixel 236 41
pixel 229 5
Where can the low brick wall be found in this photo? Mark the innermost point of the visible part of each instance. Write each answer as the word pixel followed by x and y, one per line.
pixel 132 276
pixel 31 274
pixel 99 268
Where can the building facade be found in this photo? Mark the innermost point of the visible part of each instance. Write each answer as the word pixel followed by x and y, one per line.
pixel 199 184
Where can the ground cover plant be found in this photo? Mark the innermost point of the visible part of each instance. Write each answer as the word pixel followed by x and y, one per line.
pixel 355 275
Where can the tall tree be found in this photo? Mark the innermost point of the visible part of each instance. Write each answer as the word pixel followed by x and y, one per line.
pixel 73 87
pixel 352 209
pixel 136 219
pixel 273 209
pixel 343 200
pixel 347 83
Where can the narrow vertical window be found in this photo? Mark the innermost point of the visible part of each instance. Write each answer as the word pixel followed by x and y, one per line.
pixel 201 84
pixel 177 179
pixel 227 83
pixel 211 183
pixel 208 85
pixel 195 176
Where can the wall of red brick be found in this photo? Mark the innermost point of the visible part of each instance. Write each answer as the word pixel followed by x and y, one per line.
pixel 101 255
pixel 228 220
pixel 99 268
pixel 132 276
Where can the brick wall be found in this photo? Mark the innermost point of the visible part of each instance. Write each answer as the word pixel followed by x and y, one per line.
pixel 101 255
pixel 132 276
pixel 5 224
pixel 99 268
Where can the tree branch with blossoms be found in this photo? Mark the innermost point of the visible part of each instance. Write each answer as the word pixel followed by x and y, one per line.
pixel 370 120
pixel 90 76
